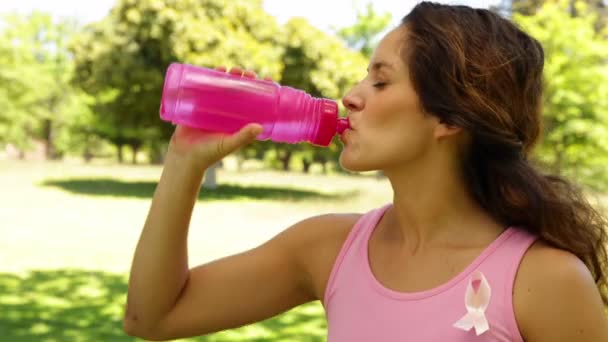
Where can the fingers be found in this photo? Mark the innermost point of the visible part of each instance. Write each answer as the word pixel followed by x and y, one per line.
pixel 250 74
pixel 236 71
pixel 240 72
pixel 244 136
pixel 244 73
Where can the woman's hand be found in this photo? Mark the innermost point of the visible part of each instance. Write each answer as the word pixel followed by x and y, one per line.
pixel 204 148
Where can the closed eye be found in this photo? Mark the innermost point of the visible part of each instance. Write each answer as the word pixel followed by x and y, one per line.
pixel 379 85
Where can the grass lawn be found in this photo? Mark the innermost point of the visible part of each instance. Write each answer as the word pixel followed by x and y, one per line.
pixel 69 230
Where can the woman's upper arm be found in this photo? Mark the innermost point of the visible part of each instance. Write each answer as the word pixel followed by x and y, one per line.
pixel 556 299
pixel 250 286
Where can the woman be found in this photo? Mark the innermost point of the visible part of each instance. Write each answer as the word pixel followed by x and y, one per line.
pixel 476 246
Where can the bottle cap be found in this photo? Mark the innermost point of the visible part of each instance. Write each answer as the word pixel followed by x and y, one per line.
pixel 328 123
pixel 343 124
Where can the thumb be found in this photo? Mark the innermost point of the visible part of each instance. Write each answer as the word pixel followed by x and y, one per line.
pixel 244 136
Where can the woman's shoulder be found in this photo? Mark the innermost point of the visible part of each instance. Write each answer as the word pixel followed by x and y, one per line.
pixel 320 228
pixel 553 290
pixel 543 263
pixel 319 240
pixel 325 234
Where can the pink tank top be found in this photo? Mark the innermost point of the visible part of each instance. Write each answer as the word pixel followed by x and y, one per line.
pixel 359 308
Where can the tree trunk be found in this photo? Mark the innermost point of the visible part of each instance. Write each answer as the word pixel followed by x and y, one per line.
pixel 306 165
pixel 323 161
pixel 559 161
pixel 135 148
pixel 49 140
pixel 573 11
pixel 285 158
pixel 120 154
pixel 87 155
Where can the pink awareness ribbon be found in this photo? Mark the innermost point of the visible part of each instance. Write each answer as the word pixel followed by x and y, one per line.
pixel 476 299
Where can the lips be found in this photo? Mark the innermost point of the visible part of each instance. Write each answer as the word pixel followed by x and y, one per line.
pixel 343 136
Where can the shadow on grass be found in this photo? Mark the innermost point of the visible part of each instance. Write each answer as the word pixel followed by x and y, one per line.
pixel 78 305
pixel 138 189
pixel 64 305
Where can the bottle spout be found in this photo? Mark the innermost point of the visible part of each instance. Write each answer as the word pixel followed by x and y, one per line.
pixel 343 124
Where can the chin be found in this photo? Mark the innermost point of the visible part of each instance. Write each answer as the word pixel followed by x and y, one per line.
pixel 351 164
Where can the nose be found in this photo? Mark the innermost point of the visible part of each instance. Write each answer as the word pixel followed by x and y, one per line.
pixel 352 102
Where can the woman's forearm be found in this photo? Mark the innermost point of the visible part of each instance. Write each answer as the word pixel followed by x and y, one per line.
pixel 160 264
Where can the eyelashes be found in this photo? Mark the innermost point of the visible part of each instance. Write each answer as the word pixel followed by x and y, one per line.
pixel 379 85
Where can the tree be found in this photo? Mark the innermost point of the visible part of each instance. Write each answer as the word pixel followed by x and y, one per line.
pixel 35 91
pixel 321 65
pixel 363 34
pixel 576 92
pixel 530 7
pixel 16 93
pixel 526 7
pixel 121 60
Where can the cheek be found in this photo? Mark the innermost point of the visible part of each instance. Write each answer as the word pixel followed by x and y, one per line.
pixel 392 129
pixel 394 121
pixel 390 139
pixel 394 106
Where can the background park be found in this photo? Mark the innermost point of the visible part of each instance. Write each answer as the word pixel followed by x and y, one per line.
pixel 81 143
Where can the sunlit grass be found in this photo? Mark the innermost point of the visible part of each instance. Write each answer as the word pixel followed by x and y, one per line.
pixel 69 231
pixel 75 305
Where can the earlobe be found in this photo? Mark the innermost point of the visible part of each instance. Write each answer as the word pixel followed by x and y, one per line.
pixel 444 129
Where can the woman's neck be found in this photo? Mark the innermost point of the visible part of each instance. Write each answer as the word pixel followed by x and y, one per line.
pixel 432 205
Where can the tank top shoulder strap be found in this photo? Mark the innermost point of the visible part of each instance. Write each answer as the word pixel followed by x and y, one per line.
pixel 506 259
pixel 358 232
pixel 501 269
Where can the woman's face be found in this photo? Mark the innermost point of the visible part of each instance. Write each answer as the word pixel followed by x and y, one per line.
pixel 389 127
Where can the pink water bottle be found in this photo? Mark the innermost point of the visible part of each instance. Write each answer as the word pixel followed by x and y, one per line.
pixel 223 102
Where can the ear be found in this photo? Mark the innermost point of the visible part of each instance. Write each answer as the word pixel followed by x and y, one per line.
pixel 443 130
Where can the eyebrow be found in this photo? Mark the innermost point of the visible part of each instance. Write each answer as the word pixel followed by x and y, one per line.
pixel 379 65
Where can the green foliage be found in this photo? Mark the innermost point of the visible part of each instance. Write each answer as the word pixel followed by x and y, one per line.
pixel 35 93
pixel 589 7
pixel 77 91
pixel 322 66
pixel 122 59
pixel 318 63
pixel 576 92
pixel 527 7
pixel 364 33
pixel 530 7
